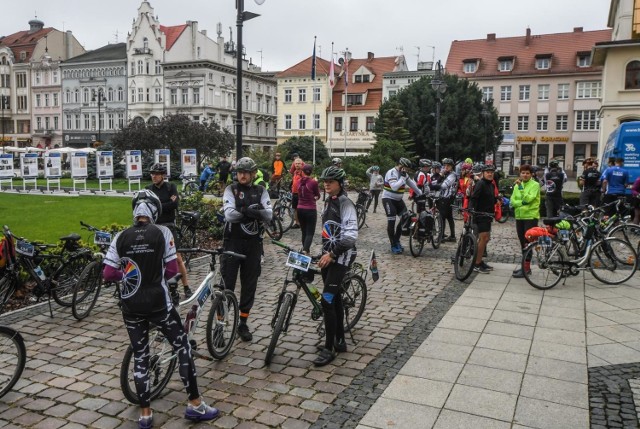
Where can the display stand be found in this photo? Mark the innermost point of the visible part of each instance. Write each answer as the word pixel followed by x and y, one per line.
pixel 133 182
pixel 80 181
pixel 30 180
pixel 4 181
pixel 106 181
pixel 53 181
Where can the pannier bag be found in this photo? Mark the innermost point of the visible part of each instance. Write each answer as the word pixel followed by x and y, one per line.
pixel 534 233
pixel 405 221
pixel 426 223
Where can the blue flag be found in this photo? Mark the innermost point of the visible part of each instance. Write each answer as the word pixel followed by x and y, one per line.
pixel 313 61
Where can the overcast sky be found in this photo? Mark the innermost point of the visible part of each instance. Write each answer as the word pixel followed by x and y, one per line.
pixel 284 32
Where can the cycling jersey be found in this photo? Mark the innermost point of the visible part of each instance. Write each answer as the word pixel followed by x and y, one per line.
pixel 238 197
pixel 554 180
pixel 591 177
pixel 169 207
pixel 395 184
pixel 340 228
pixel 617 178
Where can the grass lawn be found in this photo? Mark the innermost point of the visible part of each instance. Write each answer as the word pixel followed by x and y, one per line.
pixel 47 218
pixel 92 184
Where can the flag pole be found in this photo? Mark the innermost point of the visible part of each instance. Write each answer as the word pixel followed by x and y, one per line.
pixel 313 87
pixel 331 85
pixel 346 96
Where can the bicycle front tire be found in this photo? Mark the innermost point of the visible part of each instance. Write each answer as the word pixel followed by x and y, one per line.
pixel 354 299
pixel 613 261
pixel 190 188
pixel 274 228
pixel 283 312
pixel 87 290
pixel 222 324
pixel 286 217
pixel 13 356
pixel 416 244
pixel 361 213
pixel 465 256
pixel 436 234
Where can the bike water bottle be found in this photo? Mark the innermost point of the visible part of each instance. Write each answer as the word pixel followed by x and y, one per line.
pixel 315 292
pixel 40 273
pixel 190 319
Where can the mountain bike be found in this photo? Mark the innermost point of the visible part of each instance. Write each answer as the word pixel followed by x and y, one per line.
pixel 457 205
pixel 354 297
pixel 13 355
pixel 190 184
pixel 362 204
pixel 186 227
pixel 467 249
pixel 426 225
pixel 222 323
pixel 283 210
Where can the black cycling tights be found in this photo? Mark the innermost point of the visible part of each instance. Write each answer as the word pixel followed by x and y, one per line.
pixel 171 326
pixel 393 208
pixel 332 277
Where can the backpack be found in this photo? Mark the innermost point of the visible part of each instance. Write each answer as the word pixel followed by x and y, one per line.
pixel 7 252
pixel 265 175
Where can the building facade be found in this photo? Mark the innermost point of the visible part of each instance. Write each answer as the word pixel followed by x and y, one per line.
pixel 620 59
pixel 545 89
pixel 94 95
pixel 393 82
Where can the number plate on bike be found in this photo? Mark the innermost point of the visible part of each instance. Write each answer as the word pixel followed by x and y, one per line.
pixel 102 238
pixel 298 261
pixel 25 248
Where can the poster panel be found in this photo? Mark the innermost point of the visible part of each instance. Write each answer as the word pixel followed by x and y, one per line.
pixel 163 156
pixel 6 166
pixel 189 162
pixel 53 165
pixel 29 165
pixel 104 162
pixel 79 167
pixel 134 164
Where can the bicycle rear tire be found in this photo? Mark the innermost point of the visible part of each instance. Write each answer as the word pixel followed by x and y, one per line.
pixel 455 207
pixel 283 313
pixel 286 217
pixel 13 356
pixel 615 257
pixel 187 241
pixel 416 244
pixel 361 214
pixel 87 290
pixel 546 265
pixel 66 277
pixel 436 234
pixel 354 297
pixel 190 188
pixel 222 324
pixel 162 364
pixel 274 228
pixel 629 232
pixel 465 256
pixel 8 285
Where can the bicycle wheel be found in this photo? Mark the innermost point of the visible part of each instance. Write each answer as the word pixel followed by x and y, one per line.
pixel 162 363
pixel 283 312
pixel 546 265
pixel 613 261
pixel 87 290
pixel 190 188
pixel 274 228
pixel 285 215
pixel 8 284
pixel 465 256
pixel 436 234
pixel 13 355
pixel 628 232
pixel 361 215
pixel 416 244
pixel 66 277
pixel 354 300
pixel 456 206
pixel 187 241
pixel 222 324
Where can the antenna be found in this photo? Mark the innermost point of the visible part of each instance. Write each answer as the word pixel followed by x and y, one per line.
pixel 319 51
pixel 418 55
pixel 260 51
pixel 433 53
pixel 115 35
pixel 401 49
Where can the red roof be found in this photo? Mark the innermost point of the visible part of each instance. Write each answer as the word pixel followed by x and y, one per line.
pixel 303 68
pixel 23 41
pixel 172 34
pixel 563 47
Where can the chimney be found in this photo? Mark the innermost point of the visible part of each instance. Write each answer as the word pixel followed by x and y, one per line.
pixel 68 40
pixel 370 56
pixel 527 39
pixel 491 37
pixel 578 29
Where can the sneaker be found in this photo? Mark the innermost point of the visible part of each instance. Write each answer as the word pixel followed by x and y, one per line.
pixel 450 239
pixel 396 250
pixel 145 422
pixel 486 266
pixel 340 346
pixel 201 413
pixel 243 332
pixel 295 226
pixel 187 292
pixel 481 269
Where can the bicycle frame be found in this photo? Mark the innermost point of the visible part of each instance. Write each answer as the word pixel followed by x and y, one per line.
pixel 297 279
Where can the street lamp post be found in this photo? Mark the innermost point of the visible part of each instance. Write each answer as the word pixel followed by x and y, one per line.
pixel 100 98
pixel 534 160
pixel 241 17
pixel 440 87
pixel 485 114
pixel 3 104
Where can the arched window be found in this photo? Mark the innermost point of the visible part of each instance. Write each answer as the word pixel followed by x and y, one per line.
pixel 85 95
pixel 76 96
pixel 153 120
pixel 67 96
pixel 145 43
pixel 110 94
pixel 632 75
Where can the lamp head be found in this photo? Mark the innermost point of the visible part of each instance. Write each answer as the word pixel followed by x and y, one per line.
pixel 259 2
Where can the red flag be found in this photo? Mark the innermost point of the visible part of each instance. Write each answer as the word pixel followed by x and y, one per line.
pixel 332 76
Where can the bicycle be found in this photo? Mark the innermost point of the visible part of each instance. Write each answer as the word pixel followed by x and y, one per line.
pixel 362 204
pixel 456 206
pixel 222 323
pixel 190 183
pixel 426 226
pixel 13 356
pixel 550 261
pixel 186 227
pixel 467 249
pixel 507 211
pixel 354 297
pixel 283 210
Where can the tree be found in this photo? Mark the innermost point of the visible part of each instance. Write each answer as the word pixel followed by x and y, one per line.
pixel 463 127
pixel 303 146
pixel 393 125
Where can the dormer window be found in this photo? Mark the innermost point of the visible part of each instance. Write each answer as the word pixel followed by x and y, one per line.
pixel 505 64
pixel 360 78
pixel 543 61
pixel 470 65
pixel 584 59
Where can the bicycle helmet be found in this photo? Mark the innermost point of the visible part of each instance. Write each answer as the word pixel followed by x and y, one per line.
pixel 246 164
pixel 466 166
pixel 336 161
pixel 477 169
pixel 405 163
pixel 446 161
pixel 333 173
pixel 563 224
pixel 375 168
pixel 488 167
pixel 436 164
pixel 146 203
pixel 158 168
pixel 424 163
pixel 554 164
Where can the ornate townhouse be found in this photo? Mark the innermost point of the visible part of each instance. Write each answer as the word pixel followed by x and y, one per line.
pixel 94 95
pixel 179 69
pixel 545 88
pixel 30 84
pixel 620 58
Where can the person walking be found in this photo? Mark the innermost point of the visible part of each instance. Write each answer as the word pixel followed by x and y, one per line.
pixel 614 183
pixel 295 184
pixel 554 180
pixel 396 181
pixel 223 168
pixel 376 184
pixel 148 250
pixel 167 192
pixel 483 200
pixel 246 206
pixel 339 236
pixel 308 194
pixel 207 173
pixel 589 182
pixel 526 203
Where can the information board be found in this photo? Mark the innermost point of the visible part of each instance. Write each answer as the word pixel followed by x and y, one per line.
pixel 53 165
pixel 134 163
pixel 104 162
pixel 189 162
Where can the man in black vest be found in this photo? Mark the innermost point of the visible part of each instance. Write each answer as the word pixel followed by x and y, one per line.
pixel 246 206
pixel 554 180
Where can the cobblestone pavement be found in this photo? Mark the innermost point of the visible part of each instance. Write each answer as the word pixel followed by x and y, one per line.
pixel 72 373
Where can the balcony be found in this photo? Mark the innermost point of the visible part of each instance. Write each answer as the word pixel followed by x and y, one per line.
pixel 43 132
pixel 142 51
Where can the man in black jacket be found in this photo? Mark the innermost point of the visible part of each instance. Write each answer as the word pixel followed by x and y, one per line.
pixel 483 199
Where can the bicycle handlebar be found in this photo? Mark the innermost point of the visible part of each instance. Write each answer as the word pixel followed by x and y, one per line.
pixel 473 212
pixel 89 227
pixel 290 249
pixel 218 251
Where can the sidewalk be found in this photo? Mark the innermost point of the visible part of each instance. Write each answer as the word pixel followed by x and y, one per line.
pixel 508 355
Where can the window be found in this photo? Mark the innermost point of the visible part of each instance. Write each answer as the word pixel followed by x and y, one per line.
pixel 589 89
pixel 505 121
pixel 302 95
pixel 158 95
pixel 67 96
pixel 542 123
pixel 563 91
pixel 505 65
pixel 47 123
pixel 56 123
pixel 46 100
pixel 76 96
pixel 337 124
pixel 85 95
pixel 38 78
pixel 524 93
pixel 584 60
pixel 316 94
pixel 87 122
pixel 632 75
pixel 196 96
pixel 470 67
pixel 354 99
pixel 77 121
pixel 523 123
pixel 4 81
pixel 133 68
pixel 392 93
pixel 487 93
pixel 120 120
pixel 21 80
pixel 133 95
pixel 287 122
pixel 287 96
pixel 370 123
pixel 140 94
pixel 302 122
pixel 111 123
pixel 316 121
pixel 67 121
pixel 184 93
pixel 38 123
pixel 358 78
pixel 56 99
pixel 55 76
pixel 543 92
pixel 543 63
pixel 587 120
pixel 38 100
pixel 353 123
pixel 562 122
pixel 140 67
pixel 174 96
pixel 505 93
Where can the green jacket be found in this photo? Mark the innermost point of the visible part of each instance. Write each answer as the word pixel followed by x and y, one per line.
pixel 526 200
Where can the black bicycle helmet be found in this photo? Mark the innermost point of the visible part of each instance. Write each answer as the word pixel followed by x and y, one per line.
pixel 477 168
pixel 158 168
pixel 246 164
pixel 336 161
pixel 554 164
pixel 333 173
pixel 152 201
pixel 405 163
pixel 446 161
pixel 436 164
pixel 424 163
pixel 488 167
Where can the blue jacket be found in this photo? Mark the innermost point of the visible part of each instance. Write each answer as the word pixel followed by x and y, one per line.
pixel 207 173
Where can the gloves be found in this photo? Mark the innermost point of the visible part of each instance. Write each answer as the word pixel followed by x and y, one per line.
pixel 403 173
pixel 252 213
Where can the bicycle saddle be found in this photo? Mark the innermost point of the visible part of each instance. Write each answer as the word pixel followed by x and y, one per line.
pixel 193 215
pixel 71 237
